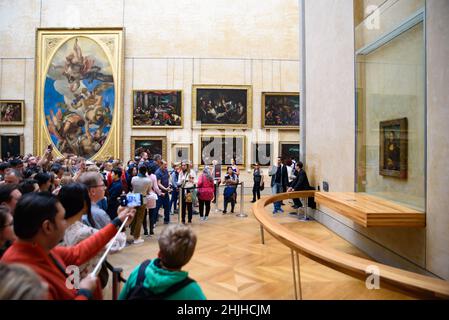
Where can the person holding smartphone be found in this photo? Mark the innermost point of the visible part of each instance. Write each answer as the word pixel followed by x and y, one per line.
pixel 140 184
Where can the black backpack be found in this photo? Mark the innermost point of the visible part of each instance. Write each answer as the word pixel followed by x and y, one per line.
pixel 139 292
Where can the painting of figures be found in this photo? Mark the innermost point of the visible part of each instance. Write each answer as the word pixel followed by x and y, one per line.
pixel 11 112
pixel 280 110
pixel 79 98
pixel 222 106
pixel 78 92
pixel 157 109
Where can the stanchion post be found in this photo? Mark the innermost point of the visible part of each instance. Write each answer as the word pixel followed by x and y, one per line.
pixel 242 214
pixel 217 195
pixel 116 273
pixel 181 198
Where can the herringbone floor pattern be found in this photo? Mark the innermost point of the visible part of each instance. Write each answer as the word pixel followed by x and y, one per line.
pixel 231 263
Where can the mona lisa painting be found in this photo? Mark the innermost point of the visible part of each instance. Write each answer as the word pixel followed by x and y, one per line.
pixel 393 148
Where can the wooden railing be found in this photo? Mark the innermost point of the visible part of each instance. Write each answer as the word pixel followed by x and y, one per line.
pixel 409 283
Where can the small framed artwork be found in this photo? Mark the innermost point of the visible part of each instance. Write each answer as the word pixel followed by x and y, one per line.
pixel 262 153
pixel 221 106
pixel 157 109
pixel 150 145
pixel 280 110
pixel 182 152
pixel 223 149
pixel 393 151
pixel 289 150
pixel 12 112
pixel 11 145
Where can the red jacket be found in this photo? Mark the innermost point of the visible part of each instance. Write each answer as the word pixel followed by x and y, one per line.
pixel 36 258
pixel 205 188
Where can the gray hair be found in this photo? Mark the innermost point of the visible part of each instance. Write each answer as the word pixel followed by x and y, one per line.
pixel 206 172
pixel 90 178
pixel 19 282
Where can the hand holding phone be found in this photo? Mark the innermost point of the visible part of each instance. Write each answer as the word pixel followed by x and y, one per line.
pixel 131 200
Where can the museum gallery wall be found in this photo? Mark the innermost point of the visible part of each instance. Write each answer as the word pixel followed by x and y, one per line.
pixel 146 68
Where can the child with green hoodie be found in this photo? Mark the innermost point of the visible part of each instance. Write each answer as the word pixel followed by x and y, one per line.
pixel 162 278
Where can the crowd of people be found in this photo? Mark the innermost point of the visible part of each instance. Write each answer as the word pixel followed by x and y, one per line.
pixel 60 213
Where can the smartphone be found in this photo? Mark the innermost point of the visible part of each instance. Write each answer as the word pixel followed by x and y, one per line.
pixel 131 200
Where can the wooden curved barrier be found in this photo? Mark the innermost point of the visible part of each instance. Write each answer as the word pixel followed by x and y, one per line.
pixel 409 283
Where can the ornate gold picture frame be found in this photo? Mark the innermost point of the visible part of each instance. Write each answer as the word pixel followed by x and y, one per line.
pixel 280 110
pixel 156 109
pixel 182 152
pixel 262 153
pixel 11 145
pixel 151 145
pixel 222 106
pixel 289 150
pixel 222 148
pixel 79 99
pixel 12 112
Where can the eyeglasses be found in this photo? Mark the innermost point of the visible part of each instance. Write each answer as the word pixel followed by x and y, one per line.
pixel 98 185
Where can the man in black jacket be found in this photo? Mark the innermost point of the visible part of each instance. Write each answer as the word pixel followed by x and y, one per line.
pixel 279 182
pixel 301 183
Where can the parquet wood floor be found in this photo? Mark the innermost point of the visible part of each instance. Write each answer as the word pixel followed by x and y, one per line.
pixel 231 263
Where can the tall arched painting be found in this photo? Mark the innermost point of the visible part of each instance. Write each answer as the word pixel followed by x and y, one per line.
pixel 78 107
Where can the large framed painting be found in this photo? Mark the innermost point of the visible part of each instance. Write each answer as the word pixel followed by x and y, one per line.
pixel 157 109
pixel 150 145
pixel 394 148
pixel 11 145
pixel 78 100
pixel 181 153
pixel 221 106
pixel 12 112
pixel 280 110
pixel 289 150
pixel 261 153
pixel 223 149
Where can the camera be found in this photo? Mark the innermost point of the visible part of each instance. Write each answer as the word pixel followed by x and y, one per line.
pixel 131 200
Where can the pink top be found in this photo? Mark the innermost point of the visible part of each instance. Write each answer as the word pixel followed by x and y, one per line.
pixel 155 186
pixel 205 188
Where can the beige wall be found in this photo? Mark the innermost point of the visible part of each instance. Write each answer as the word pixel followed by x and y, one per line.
pixel 168 45
pixel 437 255
pixel 330 93
pixel 330 132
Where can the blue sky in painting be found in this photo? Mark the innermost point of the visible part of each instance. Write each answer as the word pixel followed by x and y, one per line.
pixel 52 97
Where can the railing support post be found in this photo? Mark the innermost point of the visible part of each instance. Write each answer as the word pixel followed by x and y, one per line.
pixel 262 237
pixel 296 269
pixel 294 274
